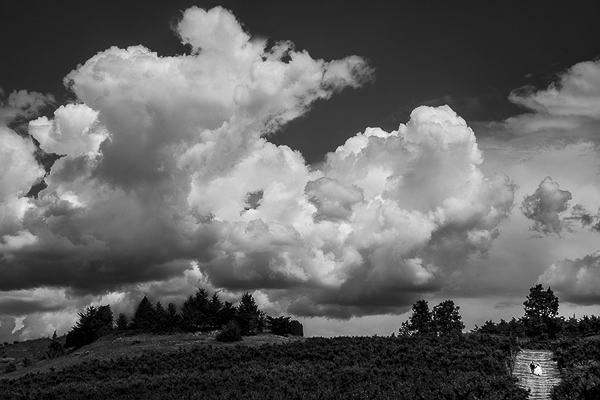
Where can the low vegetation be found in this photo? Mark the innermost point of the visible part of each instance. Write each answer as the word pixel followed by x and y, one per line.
pixel 431 367
pixel 579 364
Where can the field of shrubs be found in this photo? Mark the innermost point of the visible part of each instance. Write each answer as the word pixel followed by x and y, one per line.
pixel 462 367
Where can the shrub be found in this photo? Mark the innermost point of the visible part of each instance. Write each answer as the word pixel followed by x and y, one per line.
pixel 231 333
pixel 55 349
pixel 26 362
pixel 10 367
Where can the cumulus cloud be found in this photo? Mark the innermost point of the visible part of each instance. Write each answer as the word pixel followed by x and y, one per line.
pixel 168 182
pixel 544 206
pixel 576 281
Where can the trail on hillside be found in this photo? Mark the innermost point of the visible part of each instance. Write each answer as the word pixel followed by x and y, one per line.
pixel 540 386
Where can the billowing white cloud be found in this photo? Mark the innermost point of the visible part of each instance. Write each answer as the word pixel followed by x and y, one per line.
pixel 18 172
pixel 544 206
pixel 168 181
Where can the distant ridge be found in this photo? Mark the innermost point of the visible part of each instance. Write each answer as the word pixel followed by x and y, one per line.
pixel 540 386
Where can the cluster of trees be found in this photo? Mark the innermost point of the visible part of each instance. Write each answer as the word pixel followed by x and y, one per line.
pixel 415 367
pixel 443 320
pixel 199 312
pixel 541 320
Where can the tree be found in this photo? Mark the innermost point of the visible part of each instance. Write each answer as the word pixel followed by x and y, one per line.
pixel 446 319
pixel 541 309
pixel 250 319
pixel 279 325
pixel 296 328
pixel 122 322
pixel 213 312
pixel 420 322
pixel 194 311
pixel 173 317
pixel 162 317
pixel 228 313
pixel 145 316
pixel 92 324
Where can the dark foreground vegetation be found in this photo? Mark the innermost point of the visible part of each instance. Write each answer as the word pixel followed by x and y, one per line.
pixel 579 364
pixel 460 367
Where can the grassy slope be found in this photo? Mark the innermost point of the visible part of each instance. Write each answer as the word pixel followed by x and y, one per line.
pixel 112 347
pixel 184 366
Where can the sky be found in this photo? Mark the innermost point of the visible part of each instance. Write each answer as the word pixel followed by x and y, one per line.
pixel 337 161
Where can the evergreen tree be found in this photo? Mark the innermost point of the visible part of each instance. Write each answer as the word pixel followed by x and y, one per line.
pixel 194 311
pixel 228 313
pixel 173 317
pixel 122 322
pixel 214 312
pixel 446 319
pixel 162 317
pixel 145 316
pixel 92 324
pixel 250 319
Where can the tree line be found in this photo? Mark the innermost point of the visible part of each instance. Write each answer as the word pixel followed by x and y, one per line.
pixel 199 312
pixel 541 320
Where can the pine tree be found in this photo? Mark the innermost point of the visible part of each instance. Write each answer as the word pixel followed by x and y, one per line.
pixel 194 311
pixel 228 313
pixel 145 317
pixel 213 312
pixel 92 324
pixel 173 317
pixel 162 318
pixel 250 319
pixel 122 322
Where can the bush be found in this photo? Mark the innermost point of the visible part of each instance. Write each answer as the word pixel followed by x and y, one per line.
pixel 10 367
pixel 55 350
pixel 231 333
pixel 26 362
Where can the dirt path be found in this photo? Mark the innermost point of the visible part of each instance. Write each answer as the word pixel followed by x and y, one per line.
pixel 540 386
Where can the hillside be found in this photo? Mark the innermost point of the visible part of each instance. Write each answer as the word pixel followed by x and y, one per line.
pixel 315 368
pixel 114 346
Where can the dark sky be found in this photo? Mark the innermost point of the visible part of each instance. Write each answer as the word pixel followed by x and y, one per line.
pixel 470 54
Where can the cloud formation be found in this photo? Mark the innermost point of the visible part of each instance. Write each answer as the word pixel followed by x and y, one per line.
pixel 576 281
pixel 544 206
pixel 576 93
pixel 168 179
pixel 22 105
